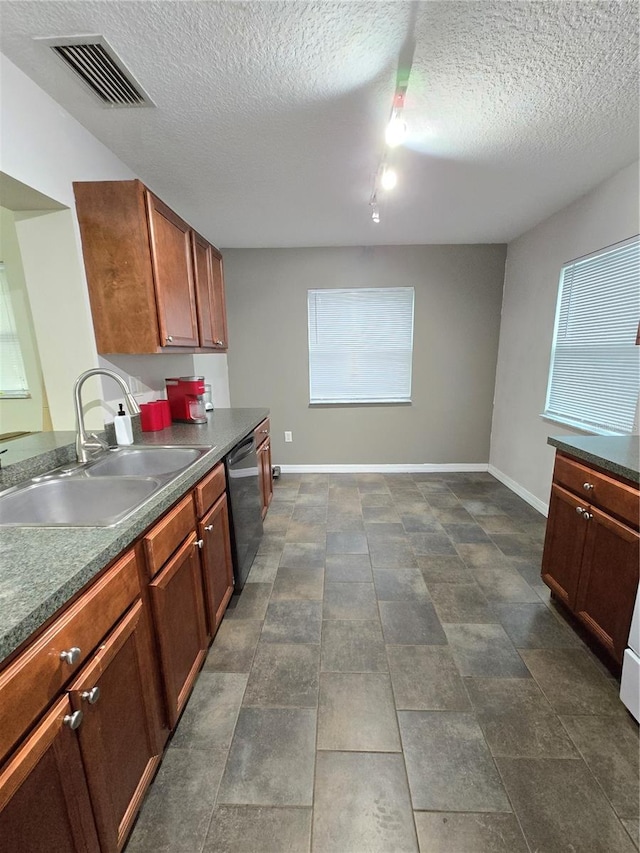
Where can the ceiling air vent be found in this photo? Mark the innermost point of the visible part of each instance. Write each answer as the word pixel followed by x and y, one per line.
pixel 95 62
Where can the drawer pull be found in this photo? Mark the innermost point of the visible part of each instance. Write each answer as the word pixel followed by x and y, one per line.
pixel 91 696
pixel 580 510
pixel 199 543
pixel 71 656
pixel 73 720
pixel 588 486
pixel 208 528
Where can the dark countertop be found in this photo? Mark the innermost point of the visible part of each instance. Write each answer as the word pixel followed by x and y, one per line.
pixel 619 454
pixel 43 567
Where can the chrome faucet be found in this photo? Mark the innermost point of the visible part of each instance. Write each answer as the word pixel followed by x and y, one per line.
pixel 88 445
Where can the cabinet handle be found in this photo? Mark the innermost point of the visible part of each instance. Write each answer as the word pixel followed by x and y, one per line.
pixel 169 339
pixel 219 343
pixel 580 510
pixel 71 656
pixel 91 696
pixel 587 486
pixel 208 528
pixel 587 515
pixel 199 543
pixel 73 720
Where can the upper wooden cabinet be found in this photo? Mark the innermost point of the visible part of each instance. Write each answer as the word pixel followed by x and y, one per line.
pixel 212 314
pixel 172 264
pixel 154 284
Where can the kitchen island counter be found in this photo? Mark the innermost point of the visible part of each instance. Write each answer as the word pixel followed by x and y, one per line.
pixel 42 568
pixel 617 454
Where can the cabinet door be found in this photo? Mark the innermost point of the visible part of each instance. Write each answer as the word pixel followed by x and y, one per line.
pixel 173 275
pixel 216 562
pixel 178 610
pixel 118 736
pixel 44 801
pixel 219 304
pixel 267 477
pixel 204 289
pixel 260 455
pixel 608 581
pixel 563 545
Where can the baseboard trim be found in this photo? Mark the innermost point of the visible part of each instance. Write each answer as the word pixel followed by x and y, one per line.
pixel 530 498
pixel 427 467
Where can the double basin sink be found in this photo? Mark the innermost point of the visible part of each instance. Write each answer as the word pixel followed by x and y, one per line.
pixel 100 493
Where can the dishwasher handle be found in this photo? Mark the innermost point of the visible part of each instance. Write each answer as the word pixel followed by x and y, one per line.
pixel 241 451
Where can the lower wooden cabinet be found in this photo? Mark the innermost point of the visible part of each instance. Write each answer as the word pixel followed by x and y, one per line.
pixel 44 799
pixel 608 581
pixel 82 722
pixel 119 740
pixel 217 565
pixel 564 544
pixel 591 555
pixel 266 478
pixel 178 610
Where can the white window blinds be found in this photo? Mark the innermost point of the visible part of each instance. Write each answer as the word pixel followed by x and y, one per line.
pixel 360 345
pixel 595 365
pixel 13 378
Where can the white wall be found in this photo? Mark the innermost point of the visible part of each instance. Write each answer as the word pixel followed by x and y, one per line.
pixel 606 215
pixel 46 148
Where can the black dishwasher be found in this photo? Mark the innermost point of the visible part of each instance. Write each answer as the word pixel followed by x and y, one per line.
pixel 245 507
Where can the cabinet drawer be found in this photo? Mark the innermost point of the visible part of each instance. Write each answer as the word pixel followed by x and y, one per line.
pixel 262 431
pixel 209 489
pixel 36 676
pixel 596 488
pixel 166 536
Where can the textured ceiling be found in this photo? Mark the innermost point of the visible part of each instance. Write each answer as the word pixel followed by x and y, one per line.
pixel 270 116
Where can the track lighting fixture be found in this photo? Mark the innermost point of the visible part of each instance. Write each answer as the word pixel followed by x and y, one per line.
pixel 386 177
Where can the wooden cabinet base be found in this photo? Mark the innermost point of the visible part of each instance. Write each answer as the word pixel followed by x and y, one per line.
pixel 178 609
pixel 591 553
pixel 44 800
pixel 120 746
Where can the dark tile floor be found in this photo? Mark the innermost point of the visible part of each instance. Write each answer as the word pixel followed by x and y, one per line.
pixel 394 677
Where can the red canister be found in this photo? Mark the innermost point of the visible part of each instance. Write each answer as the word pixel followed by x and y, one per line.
pixel 151 417
pixel 163 407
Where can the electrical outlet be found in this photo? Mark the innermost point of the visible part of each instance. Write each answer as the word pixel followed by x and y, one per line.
pixel 135 384
pixel 288 435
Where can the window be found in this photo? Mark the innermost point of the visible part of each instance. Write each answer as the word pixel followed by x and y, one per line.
pixel 595 366
pixel 360 345
pixel 13 378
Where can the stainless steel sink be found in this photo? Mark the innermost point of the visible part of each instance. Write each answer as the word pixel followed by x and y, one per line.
pixel 76 501
pixel 100 493
pixel 142 461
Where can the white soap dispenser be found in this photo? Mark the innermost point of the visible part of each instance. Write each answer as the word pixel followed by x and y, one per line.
pixel 122 424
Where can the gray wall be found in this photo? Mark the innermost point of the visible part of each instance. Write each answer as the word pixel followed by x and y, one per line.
pixel 606 215
pixel 457 319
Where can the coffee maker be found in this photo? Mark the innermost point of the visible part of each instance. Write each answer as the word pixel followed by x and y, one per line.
pixel 186 399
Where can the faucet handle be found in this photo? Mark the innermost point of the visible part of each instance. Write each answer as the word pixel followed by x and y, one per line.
pixel 98 442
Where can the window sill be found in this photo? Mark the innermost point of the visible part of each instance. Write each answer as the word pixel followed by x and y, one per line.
pixel 329 404
pixel 566 422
